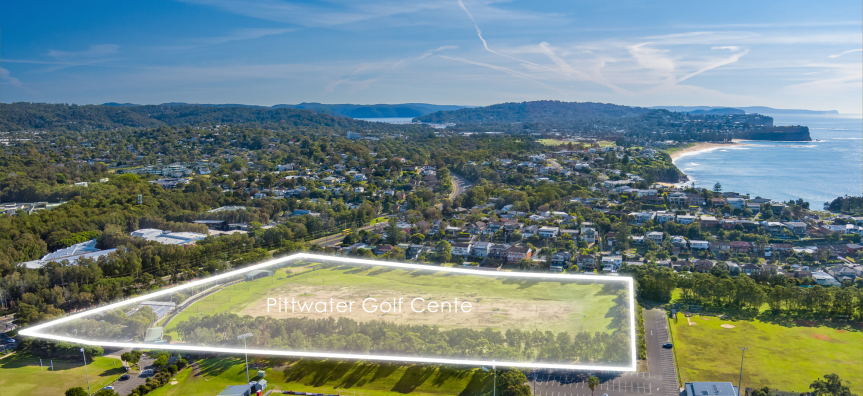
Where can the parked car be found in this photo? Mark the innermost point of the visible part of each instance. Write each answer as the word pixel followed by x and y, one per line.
pixel 667 345
pixel 125 377
pixel 147 372
pixel 109 387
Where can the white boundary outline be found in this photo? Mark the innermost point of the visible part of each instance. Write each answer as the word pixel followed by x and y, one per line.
pixel 33 331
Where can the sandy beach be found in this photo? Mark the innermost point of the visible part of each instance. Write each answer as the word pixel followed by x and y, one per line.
pixel 701 147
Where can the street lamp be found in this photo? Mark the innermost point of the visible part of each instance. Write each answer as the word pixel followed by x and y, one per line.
pixel 243 337
pixel 740 380
pixel 86 375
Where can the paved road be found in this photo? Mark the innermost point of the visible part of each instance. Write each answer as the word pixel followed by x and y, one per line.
pixel 460 185
pixel 124 388
pixel 336 239
pixel 659 379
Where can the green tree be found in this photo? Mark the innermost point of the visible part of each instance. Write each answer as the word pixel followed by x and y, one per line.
pixel 105 392
pixel 592 383
pixel 830 386
pixel 76 391
pixel 394 233
pixel 512 383
pixel 717 188
pixel 443 251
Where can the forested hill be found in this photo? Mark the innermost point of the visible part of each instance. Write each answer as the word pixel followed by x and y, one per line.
pixel 42 116
pixel 539 111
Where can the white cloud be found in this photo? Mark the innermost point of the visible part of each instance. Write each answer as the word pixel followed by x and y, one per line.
pixel 846 53
pixel 6 77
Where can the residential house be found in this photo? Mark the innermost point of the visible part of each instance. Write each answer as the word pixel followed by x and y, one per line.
pixel 611 263
pixel 530 231
pixel 741 246
pixel 383 249
pixel 796 227
pixel 585 261
pixel 498 251
pixel 656 237
pixel 548 232
pixel 708 221
pixel 481 249
pixel 699 245
pixel 460 249
pixel 720 246
pixel 750 269
pixel 685 219
pixel 515 253
pixel 560 260
pixel 703 266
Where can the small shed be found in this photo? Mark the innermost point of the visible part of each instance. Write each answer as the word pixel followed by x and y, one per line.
pixel 258 274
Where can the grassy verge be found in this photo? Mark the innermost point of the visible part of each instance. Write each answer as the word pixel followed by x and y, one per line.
pixel 330 376
pixel 781 356
pixel 20 375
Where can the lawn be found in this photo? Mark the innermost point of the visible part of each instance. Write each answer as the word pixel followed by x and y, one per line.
pixel 21 375
pixel 785 357
pixel 502 302
pixel 552 142
pixel 328 376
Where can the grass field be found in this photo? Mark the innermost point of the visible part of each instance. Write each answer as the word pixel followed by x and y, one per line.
pixel 782 357
pixel 552 142
pixel 20 375
pixel 497 302
pixel 360 378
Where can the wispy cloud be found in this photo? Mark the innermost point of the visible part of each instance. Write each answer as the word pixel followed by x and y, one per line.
pixel 331 14
pixel 94 53
pixel 846 53
pixel 6 76
pixel 505 70
pixel 485 44
pixel 716 63
pixel 245 34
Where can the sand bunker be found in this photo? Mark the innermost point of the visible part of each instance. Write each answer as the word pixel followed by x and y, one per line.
pixel 727 326
pixel 821 336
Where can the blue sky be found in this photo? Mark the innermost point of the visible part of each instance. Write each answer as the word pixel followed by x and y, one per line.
pixel 784 54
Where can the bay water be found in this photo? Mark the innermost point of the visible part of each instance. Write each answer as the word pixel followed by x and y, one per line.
pixel 829 166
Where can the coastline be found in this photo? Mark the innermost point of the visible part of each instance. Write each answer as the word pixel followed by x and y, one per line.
pixel 699 147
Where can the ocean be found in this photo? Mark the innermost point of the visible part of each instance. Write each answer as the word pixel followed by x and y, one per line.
pixel 818 171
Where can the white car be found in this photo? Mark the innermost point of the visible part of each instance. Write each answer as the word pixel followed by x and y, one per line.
pixel 147 371
pixel 109 387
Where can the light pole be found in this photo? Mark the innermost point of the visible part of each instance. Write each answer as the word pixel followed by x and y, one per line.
pixel 86 375
pixel 243 337
pixel 740 380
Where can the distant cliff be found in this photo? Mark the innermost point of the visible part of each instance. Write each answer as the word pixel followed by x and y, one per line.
pixel 777 133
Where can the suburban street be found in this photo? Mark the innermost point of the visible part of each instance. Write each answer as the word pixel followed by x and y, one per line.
pixel 659 379
pixel 459 184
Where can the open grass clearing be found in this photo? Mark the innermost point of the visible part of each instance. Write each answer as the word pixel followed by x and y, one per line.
pixel 784 357
pixel 20 375
pixel 329 376
pixel 524 304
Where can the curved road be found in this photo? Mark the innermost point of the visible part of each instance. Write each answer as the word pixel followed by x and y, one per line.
pixel 459 184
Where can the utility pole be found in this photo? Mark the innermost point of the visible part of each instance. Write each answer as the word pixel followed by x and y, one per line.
pixel 243 337
pixel 86 375
pixel 740 380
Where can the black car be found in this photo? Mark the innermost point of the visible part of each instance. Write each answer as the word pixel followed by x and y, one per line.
pixel 124 377
pixel 667 345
